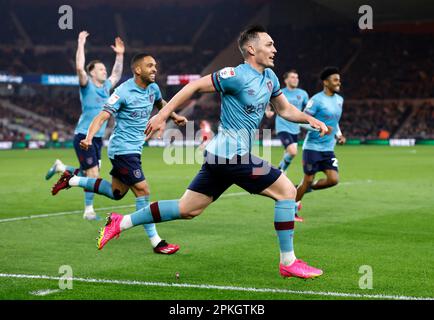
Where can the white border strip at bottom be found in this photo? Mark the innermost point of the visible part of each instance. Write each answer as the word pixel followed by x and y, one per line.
pixel 215 287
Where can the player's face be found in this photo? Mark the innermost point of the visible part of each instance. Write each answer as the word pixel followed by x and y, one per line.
pixel 333 83
pixel 265 50
pixel 99 72
pixel 147 69
pixel 291 80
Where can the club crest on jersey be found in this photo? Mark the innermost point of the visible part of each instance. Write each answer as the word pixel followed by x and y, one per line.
pixel 227 73
pixel 137 173
pixel 89 160
pixel 298 97
pixel 113 99
pixel 151 98
pixel 270 86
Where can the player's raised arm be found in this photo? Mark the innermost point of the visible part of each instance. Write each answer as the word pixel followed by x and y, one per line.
pixel 80 59
pixel 119 49
pixel 158 122
pixel 289 112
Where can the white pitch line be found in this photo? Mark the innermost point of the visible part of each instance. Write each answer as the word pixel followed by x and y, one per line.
pixel 64 213
pixel 43 292
pixel 215 287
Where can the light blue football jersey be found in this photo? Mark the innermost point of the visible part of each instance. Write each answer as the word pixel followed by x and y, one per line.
pixel 92 100
pixel 131 106
pixel 327 109
pixel 245 93
pixel 297 97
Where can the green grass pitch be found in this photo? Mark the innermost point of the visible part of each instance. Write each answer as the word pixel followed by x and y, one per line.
pixel 381 215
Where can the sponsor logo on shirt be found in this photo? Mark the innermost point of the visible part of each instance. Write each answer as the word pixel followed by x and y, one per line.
pixel 252 108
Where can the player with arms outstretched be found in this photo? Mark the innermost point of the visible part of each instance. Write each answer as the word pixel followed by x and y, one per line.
pixel 245 92
pixel 131 104
pixel 94 92
pixel 318 151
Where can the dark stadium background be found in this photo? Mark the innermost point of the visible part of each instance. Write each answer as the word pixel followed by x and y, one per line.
pixel 387 72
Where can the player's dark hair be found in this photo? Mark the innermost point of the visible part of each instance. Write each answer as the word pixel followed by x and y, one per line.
pixel 327 72
pixel 136 58
pixel 286 74
pixel 91 65
pixel 247 35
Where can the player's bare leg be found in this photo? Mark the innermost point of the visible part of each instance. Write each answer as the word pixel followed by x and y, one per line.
pixel 142 192
pixel 193 203
pixel 304 186
pixel 332 179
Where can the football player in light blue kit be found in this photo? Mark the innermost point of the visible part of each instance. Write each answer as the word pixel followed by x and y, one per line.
pixel 288 131
pixel 318 152
pixel 94 92
pixel 245 92
pixel 131 104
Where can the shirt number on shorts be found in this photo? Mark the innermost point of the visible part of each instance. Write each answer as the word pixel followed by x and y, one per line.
pixel 335 162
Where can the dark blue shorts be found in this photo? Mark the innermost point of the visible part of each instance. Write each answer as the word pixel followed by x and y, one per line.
pixel 248 172
pixel 90 158
pixel 127 168
pixel 314 161
pixel 287 138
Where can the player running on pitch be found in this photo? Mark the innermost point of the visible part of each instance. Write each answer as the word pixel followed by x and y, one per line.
pixel 245 92
pixel 94 92
pixel 318 151
pixel 131 104
pixel 288 131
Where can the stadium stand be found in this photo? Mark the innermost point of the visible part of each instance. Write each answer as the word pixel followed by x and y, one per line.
pixel 382 72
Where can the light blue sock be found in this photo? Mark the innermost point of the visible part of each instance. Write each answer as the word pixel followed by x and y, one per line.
pixel 285 162
pixel 142 203
pixel 160 211
pixel 284 224
pixel 88 198
pixel 98 185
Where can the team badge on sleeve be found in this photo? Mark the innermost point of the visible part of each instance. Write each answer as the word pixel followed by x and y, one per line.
pixel 113 99
pixel 227 73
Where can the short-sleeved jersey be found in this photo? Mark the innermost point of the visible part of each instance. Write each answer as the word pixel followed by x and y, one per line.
pixel 131 106
pixel 245 93
pixel 297 97
pixel 327 109
pixel 92 99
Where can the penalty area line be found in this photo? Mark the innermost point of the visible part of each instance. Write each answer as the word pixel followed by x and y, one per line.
pixel 215 287
pixel 64 213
